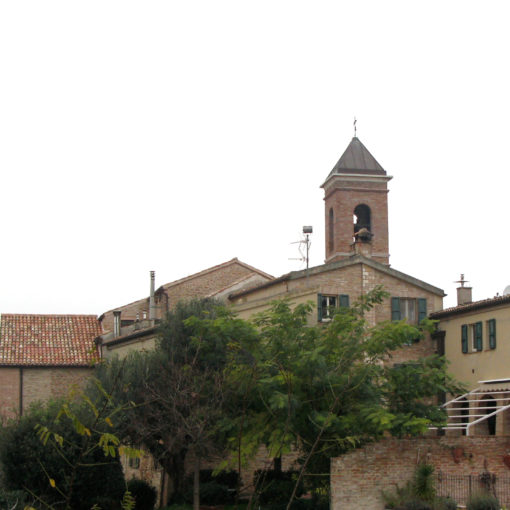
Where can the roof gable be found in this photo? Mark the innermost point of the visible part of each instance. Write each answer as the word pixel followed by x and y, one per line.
pixel 225 265
pixel 356 159
pixel 48 340
pixel 355 259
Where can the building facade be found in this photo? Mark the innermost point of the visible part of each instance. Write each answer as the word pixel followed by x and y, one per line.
pixel 43 356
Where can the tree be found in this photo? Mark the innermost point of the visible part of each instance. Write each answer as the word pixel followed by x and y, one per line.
pixel 327 388
pixel 178 389
pixel 44 455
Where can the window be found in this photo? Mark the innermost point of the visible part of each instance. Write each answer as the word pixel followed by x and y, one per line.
pixel 491 333
pixel 412 309
pixel 472 337
pixel 331 231
pixel 327 303
pixel 134 462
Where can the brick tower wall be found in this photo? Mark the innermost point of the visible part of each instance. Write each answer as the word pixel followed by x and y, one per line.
pixel 343 197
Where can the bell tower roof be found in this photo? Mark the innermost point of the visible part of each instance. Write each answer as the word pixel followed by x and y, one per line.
pixel 356 159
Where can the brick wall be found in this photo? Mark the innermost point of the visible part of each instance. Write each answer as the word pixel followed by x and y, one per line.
pixel 37 384
pixel 9 400
pixel 45 383
pixel 358 478
pixel 343 199
pixel 210 281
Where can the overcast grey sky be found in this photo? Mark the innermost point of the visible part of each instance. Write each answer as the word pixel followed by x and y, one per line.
pixel 173 136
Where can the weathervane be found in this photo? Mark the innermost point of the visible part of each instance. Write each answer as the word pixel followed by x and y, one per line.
pixel 355 127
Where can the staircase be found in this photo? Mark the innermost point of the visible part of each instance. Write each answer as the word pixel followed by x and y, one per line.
pixel 483 403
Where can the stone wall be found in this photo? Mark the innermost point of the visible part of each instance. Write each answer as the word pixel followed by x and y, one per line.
pixel 358 478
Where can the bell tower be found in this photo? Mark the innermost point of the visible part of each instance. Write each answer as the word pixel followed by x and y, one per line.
pixel 356 206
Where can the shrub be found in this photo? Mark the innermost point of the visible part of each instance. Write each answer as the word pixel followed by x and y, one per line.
pixel 145 495
pixel 483 502
pixel 216 489
pixel 423 483
pixel 27 463
pixel 274 488
pixel 414 504
pixel 441 503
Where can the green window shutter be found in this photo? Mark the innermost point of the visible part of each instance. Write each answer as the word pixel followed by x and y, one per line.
pixel 464 330
pixel 343 299
pixel 395 309
pixel 319 307
pixel 492 333
pixel 422 309
pixel 478 336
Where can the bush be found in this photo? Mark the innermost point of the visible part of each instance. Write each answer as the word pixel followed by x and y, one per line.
pixel 414 504
pixel 483 502
pixel 145 495
pixel 441 503
pixel 27 463
pixel 274 488
pixel 219 489
pixel 9 499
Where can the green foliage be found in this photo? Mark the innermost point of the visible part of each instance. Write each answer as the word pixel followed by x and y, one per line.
pixel 483 501
pixel 215 488
pixel 42 455
pixel 419 493
pixel 274 487
pixel 144 494
pixel 13 499
pixel 178 391
pixel 414 504
pixel 324 389
pixel 423 483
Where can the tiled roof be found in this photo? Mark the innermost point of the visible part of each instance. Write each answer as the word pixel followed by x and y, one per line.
pixel 48 340
pixel 471 307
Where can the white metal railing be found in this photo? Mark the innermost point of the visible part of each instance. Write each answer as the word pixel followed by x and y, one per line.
pixel 470 408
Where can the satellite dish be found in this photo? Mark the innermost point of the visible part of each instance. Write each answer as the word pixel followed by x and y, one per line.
pixel 506 292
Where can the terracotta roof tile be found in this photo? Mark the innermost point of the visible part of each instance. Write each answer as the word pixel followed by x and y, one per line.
pixel 48 340
pixel 470 307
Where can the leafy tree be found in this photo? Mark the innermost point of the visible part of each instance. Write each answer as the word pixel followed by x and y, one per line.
pixel 178 389
pixel 64 470
pixel 326 388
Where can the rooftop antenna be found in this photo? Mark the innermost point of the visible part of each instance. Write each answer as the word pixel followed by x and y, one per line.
pixel 304 246
pixel 355 127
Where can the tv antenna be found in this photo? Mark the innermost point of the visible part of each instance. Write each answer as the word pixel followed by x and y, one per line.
pixel 304 246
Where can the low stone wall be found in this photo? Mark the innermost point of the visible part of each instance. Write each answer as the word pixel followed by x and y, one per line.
pixel 359 477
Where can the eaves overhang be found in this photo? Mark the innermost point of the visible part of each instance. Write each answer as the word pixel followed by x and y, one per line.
pixel 353 260
pixel 471 307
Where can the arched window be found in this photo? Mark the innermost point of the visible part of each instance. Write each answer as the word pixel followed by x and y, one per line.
pixel 331 231
pixel 362 218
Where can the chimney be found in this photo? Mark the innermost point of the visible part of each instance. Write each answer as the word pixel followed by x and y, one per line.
pixel 116 323
pixel 152 304
pixel 464 294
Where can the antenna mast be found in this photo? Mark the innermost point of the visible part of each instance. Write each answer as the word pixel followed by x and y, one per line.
pixel 305 256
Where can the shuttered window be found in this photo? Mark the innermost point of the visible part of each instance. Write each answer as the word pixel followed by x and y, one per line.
pixel 491 327
pixel 478 337
pixel 412 309
pixel 464 334
pixel 326 305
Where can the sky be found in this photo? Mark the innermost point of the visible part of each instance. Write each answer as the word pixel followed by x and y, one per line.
pixel 176 135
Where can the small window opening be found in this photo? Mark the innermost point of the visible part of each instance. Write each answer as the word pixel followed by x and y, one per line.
pixel 362 218
pixel 331 231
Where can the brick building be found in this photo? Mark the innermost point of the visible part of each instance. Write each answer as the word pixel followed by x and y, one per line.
pixel 134 326
pixel 43 356
pixel 357 256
